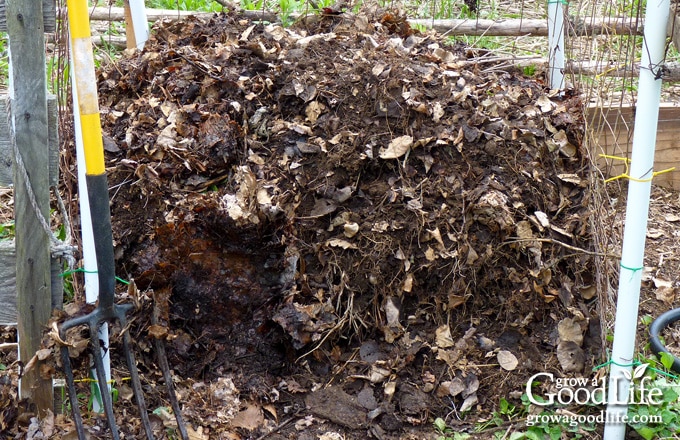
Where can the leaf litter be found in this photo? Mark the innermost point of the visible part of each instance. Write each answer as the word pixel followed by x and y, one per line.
pixel 348 224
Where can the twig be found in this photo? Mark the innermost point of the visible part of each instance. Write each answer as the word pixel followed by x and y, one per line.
pixel 277 428
pixel 9 346
pixel 561 243
pixel 229 5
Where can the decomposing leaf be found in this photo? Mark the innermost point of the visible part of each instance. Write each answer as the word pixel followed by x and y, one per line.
pixel 392 311
pixel 571 357
pixel 456 386
pixel 469 402
pixel 323 207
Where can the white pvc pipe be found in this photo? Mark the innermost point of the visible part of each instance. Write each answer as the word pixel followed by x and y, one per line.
pixel 637 210
pixel 556 44
pixel 87 237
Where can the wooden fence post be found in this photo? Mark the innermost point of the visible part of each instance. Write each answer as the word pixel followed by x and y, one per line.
pixel 28 93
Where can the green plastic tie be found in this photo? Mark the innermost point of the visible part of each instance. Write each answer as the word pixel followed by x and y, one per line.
pixel 634 364
pixel 71 272
pixel 632 269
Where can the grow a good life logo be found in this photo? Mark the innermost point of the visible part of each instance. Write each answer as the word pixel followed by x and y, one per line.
pixel 644 391
pixel 585 391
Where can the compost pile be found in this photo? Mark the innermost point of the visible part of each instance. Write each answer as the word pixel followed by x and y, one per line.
pixel 348 221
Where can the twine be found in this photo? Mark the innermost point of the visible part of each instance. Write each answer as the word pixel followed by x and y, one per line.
pixel 58 248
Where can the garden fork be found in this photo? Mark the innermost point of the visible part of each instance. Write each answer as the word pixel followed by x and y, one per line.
pixel 107 311
pixel 98 196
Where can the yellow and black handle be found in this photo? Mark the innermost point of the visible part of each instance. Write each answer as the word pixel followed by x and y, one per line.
pixel 95 170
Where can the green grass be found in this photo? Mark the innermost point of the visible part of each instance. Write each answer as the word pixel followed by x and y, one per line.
pixel 4 60
pixel 524 420
pixel 185 5
pixel 7 230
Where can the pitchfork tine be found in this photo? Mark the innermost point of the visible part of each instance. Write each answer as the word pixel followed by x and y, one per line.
pixel 73 398
pixel 94 320
pixel 107 401
pixel 136 383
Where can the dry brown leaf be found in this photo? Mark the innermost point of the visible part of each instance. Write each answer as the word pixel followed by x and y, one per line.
pixel 294 387
pixel 196 434
pixel 456 386
pixel 455 301
pixel 392 311
pixel 350 229
pixel 571 178
pixel 331 436
pixel 542 218
pixel 588 292
pixel 43 353
pixel 271 409
pixel 429 254
pixel 523 230
pixel 654 233
pixel 396 148
pixel 660 283
pixel 125 392
pixel 54 334
pixel 379 373
pixel 666 294
pixel 408 283
pixel 250 418
pixel 378 69
pixel 443 337
pixel 158 331
pixel 314 110
pixel 507 360
pixel 570 330
pixel 338 242
pixel 545 104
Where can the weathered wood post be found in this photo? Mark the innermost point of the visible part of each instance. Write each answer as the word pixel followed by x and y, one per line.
pixel 28 123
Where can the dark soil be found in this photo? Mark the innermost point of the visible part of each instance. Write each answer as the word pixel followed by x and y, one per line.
pixel 345 220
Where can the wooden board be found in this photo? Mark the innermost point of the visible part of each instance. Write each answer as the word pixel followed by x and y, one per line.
pixel 49 16
pixel 8 290
pixel 614 136
pixel 6 154
pixel 25 32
